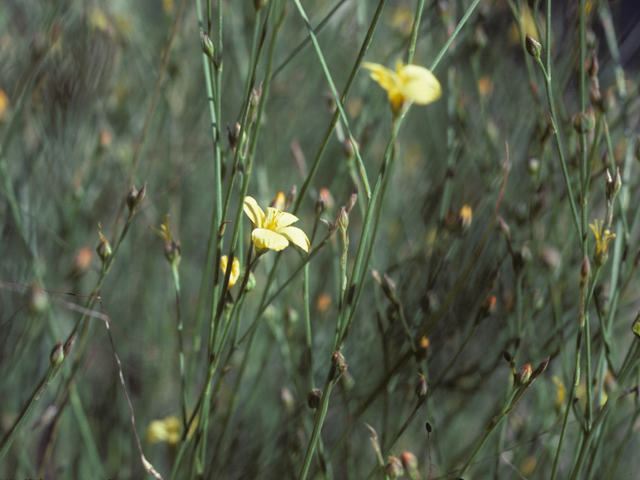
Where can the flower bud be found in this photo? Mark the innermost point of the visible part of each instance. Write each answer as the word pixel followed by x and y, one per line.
pixel 583 122
pixel 533 166
pixel 207 45
pixel 585 272
pixel 56 357
pixel 259 4
pixel 510 360
pixel 533 47
pixel 550 258
pixel 410 464
pixel 393 468
pixel 135 197
pixel 69 345
pixel 287 399
pixel 279 201
pixel 319 206
pixel 313 398
pixel 352 200
pixel 251 282
pixel 422 349
pixel 173 252
pixel 635 327
pixel 104 249
pixel 504 229
pixel 290 197
pixel 422 388
pixel 37 299
pixel 342 220
pixel 523 375
pixel 337 360
pixel 540 369
pixel 521 258
pixel 488 307
pixel 291 315
pixel 338 365
pixel 591 65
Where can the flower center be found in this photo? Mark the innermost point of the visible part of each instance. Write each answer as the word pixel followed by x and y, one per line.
pixel 271 222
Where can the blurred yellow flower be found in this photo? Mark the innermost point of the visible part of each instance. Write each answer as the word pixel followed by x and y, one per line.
pixel 272 230
pixel 235 269
pixel 166 430
pixel 466 216
pixel 562 391
pixel 4 104
pixel 409 83
pixel 528 27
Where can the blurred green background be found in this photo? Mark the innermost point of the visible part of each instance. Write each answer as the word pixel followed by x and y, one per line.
pixel 77 81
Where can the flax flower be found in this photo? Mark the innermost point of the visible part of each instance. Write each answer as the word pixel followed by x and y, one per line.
pixel 409 83
pixel 272 230
pixel 235 269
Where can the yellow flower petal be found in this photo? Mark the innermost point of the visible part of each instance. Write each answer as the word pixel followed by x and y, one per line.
pixel 277 219
pixel 296 236
pixel 235 269
pixel 263 238
pixel 253 211
pixel 420 85
pixel 388 79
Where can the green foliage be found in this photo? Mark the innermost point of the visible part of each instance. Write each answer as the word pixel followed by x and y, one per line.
pixel 468 242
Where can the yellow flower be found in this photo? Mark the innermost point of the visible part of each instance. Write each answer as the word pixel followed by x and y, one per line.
pixel 166 430
pixel 409 83
pixel 562 391
pixel 235 269
pixel 272 230
pixel 602 242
